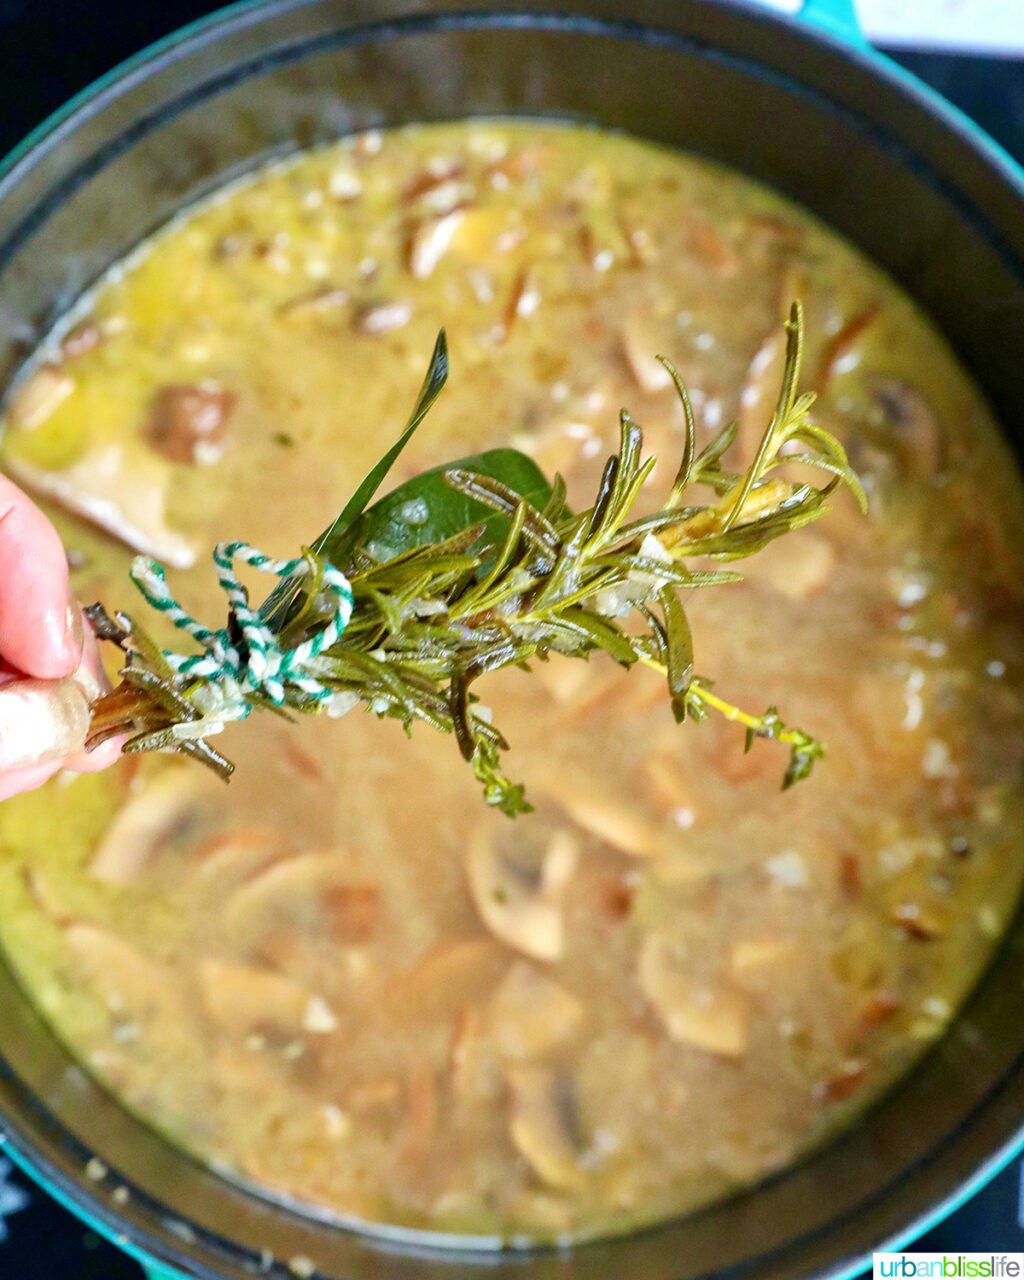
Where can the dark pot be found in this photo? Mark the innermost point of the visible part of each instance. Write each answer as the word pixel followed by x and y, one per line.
pixel 802 106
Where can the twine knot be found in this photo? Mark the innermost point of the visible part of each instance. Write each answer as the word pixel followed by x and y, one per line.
pixel 232 677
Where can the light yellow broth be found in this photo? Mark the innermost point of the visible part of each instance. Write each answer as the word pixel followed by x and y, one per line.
pixel 293 976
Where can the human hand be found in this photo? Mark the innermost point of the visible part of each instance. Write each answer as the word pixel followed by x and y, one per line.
pixel 50 669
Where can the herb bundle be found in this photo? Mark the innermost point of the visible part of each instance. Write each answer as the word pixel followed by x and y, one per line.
pixel 404 604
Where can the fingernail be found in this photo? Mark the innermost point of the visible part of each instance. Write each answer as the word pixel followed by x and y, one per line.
pixel 64 635
pixel 89 684
pixel 41 720
pixel 74 631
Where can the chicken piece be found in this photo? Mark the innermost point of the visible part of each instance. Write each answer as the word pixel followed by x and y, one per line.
pixel 188 424
pixel 123 489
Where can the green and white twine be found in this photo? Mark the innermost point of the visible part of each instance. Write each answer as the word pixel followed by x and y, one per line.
pixel 267 671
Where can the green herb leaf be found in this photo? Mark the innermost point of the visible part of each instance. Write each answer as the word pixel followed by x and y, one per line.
pixel 433 384
pixel 679 655
pixel 427 509
pixel 279 605
pixel 479 565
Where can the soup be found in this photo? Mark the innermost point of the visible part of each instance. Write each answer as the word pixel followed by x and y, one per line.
pixel 341 979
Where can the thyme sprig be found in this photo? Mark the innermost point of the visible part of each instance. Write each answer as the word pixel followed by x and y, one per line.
pixel 497 570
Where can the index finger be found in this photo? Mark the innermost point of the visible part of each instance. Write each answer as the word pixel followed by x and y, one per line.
pixel 37 631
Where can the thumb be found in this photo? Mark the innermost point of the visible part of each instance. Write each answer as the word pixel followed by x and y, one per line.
pixel 43 720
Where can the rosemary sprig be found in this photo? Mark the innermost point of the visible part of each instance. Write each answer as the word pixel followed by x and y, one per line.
pixel 496 570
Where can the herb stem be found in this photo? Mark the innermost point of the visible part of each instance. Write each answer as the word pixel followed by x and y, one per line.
pixel 496 570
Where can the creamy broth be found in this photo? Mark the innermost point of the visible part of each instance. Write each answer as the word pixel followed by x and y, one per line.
pixel 341 978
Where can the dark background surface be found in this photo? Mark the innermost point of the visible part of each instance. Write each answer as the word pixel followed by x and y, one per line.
pixel 49 50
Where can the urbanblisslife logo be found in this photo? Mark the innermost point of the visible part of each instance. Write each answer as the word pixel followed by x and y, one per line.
pixel 948 1266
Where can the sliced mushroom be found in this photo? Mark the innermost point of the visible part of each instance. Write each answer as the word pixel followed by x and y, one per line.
pixel 754 958
pixel 667 786
pixel 422 1112
pixel 448 977
pixel 84 337
pixel 41 891
pixel 639 242
pixel 314 891
pixel 797 570
pixel 913 428
pixel 539 1210
pixel 120 487
pixel 880 1007
pixel 564 678
pixel 475 1069
pixel 522 163
pixel 130 984
pixel 380 1094
pixel 352 911
pixel 433 176
pixel 382 317
pixel 614 821
pixel 38 396
pixel 713 1018
pixel 759 393
pixel 728 758
pixel 523 300
pixel 640 347
pixel 531 1015
pixel 922 923
pixel 522 903
pixel 842 351
pixel 545 1127
pixel 602 238
pixel 169 809
pixel 429 241
pixel 236 855
pixel 845 1083
pixel 242 1000
pixel 561 446
pixel 315 302
pixel 707 243
pixel 189 424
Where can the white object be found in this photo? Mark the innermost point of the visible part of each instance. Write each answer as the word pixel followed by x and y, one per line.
pixel 965 26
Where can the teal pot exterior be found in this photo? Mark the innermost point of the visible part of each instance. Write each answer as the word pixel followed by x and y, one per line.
pixel 882 159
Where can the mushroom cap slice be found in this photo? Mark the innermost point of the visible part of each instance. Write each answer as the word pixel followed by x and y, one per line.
pixel 531 1015
pixel 799 569
pixel 314 892
pixel 241 999
pixel 166 809
pixel 913 429
pixel 641 338
pixel 128 982
pixel 614 820
pixel 544 1126
pixel 234 856
pixel 520 903
pixel 712 1018
pixel 444 980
